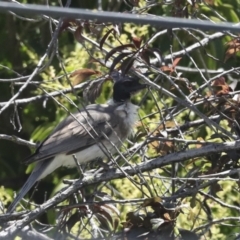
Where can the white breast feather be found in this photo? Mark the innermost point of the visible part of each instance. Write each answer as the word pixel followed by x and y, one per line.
pixel 129 112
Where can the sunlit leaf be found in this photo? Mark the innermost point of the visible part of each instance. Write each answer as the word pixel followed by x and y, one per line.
pixel 81 75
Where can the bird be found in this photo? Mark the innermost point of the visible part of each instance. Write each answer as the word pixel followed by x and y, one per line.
pixel 89 134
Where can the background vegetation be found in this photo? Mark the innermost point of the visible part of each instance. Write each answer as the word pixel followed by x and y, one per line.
pixel 185 144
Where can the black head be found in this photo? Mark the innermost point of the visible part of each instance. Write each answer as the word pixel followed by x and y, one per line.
pixel 125 87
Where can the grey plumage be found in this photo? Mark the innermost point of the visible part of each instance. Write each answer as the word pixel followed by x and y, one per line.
pixel 90 133
pixel 71 135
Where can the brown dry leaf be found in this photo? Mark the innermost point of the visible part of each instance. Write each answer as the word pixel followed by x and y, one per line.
pixel 219 82
pixel 162 147
pixel 104 38
pixel 167 217
pixel 166 69
pixel 231 108
pixel 199 145
pixel 168 124
pixel 155 145
pixel 171 68
pixel 81 75
pixel 220 87
pixel 137 42
pixel 169 144
pixel 175 62
pixel 96 61
pixel 67 22
pixel 233 48
pixel 78 34
pixel 144 54
pixel 118 49
pixel 151 201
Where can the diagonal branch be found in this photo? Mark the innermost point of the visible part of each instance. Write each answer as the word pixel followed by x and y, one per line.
pixel 116 174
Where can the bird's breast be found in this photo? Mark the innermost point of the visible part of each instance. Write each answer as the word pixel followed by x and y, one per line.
pixel 128 115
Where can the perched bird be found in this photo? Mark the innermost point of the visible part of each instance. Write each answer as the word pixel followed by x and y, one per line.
pixel 88 134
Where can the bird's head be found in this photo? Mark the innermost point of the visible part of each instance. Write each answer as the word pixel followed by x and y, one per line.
pixel 126 86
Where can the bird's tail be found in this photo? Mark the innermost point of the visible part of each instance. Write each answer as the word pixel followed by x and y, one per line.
pixel 33 178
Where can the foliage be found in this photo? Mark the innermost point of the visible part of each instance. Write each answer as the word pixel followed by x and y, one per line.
pixel 178 176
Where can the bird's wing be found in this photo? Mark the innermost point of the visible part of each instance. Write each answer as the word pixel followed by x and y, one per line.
pixel 72 135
